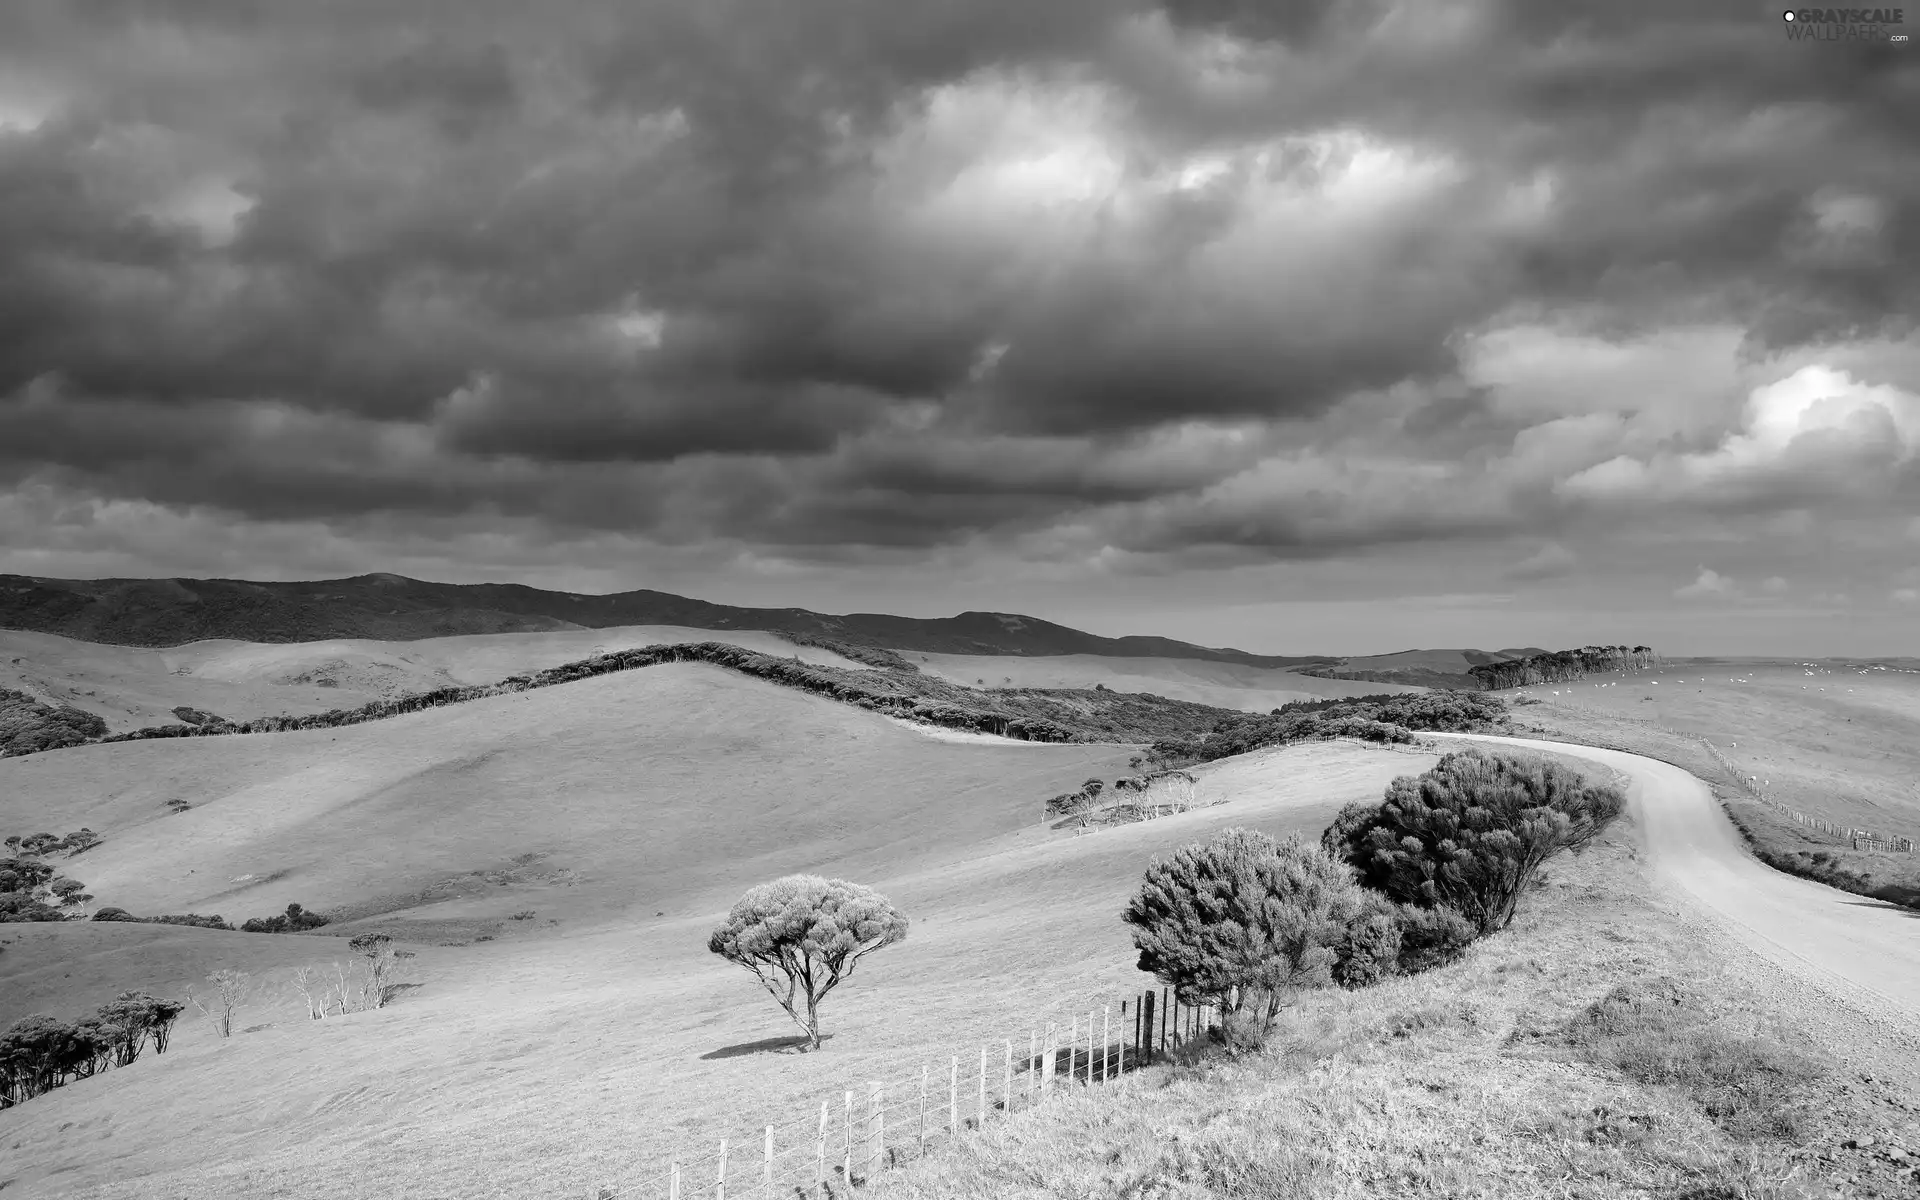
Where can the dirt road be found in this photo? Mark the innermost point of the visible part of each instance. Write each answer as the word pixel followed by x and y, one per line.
pixel 1863 953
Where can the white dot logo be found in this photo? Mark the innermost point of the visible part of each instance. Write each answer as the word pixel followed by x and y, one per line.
pixel 1787 16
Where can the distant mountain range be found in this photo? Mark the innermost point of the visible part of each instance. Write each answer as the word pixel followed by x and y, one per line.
pixel 169 612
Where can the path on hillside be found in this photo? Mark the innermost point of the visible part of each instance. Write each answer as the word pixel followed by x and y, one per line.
pixel 1863 952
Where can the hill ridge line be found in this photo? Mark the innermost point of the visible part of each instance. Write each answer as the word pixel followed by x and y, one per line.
pixel 1022 714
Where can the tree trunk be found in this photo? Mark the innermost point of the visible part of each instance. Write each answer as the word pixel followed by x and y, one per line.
pixel 813 1022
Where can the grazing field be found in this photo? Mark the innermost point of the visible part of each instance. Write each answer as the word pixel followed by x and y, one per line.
pixel 1227 685
pixel 1606 1047
pixel 134 686
pixel 1835 740
pixel 555 1057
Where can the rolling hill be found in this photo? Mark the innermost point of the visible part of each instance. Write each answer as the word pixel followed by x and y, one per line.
pixel 172 612
pixel 624 812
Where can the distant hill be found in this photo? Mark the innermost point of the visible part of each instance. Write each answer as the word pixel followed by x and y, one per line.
pixel 170 612
pixel 1421 668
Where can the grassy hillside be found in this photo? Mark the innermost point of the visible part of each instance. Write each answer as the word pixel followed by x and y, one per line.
pixel 558 1057
pixel 1224 685
pixel 1603 1048
pixel 169 612
pixel 133 686
pixel 1832 740
pixel 1421 668
pixel 610 782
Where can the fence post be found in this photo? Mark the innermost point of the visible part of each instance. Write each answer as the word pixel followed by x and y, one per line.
pixel 846 1152
pixel 923 1108
pixel 766 1163
pixel 1147 1013
pixel 1033 1068
pixel 876 1131
pixel 1007 1103
pixel 1089 1047
pixel 673 1181
pixel 953 1099
pixel 983 1088
pixel 1106 1041
pixel 820 1149
pixel 1073 1043
pixel 720 1180
pixel 1166 1015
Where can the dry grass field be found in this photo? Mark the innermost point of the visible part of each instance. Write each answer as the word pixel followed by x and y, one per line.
pixel 1228 685
pixel 134 686
pixel 568 1050
pixel 1831 740
pixel 1490 1079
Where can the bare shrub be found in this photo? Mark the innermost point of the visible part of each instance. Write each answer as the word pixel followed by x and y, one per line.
pixel 230 990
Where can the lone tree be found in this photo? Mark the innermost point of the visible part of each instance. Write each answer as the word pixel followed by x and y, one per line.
pixel 1472 833
pixel 802 935
pixel 1244 922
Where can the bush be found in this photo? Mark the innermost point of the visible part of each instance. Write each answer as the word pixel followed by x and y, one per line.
pixel 39 1053
pixel 110 913
pixel 802 936
pixel 200 922
pixel 1245 923
pixel 1472 833
pixel 294 920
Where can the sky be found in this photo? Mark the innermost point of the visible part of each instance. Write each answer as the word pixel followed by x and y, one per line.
pixel 1300 327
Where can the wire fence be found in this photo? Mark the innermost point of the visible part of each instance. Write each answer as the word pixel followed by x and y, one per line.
pixel 1754 786
pixel 859 1133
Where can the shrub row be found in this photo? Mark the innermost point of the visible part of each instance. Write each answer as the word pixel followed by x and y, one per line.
pixel 32 890
pixel 1246 922
pixel 1029 714
pixel 873 656
pixel 1387 719
pixel 40 1053
pixel 294 920
pixel 28 726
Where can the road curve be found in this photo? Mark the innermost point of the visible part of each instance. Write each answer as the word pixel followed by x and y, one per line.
pixel 1863 952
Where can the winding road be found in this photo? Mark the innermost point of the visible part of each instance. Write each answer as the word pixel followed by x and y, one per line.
pixel 1863 952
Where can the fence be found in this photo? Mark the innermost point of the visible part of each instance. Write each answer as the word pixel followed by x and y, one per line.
pixel 1861 839
pixel 864 1132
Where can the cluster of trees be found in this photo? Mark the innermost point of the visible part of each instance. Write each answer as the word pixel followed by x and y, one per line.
pixel 1247 923
pixel 32 889
pixel 361 987
pixel 28 726
pixel 195 716
pixel 45 844
pixel 1387 719
pixel 1558 666
pixel 40 1053
pixel 294 920
pixel 1028 714
pixel 196 920
pixel 1132 798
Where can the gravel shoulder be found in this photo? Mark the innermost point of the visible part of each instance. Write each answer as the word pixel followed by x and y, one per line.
pixel 1847 966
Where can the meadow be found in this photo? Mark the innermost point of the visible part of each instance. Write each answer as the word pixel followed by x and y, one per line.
pixel 1835 740
pixel 650 799
pixel 554 860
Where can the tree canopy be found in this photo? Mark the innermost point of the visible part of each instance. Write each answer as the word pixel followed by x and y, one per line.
pixel 1473 832
pixel 1244 921
pixel 802 936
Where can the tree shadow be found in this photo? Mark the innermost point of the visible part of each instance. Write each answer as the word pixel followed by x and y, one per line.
pixel 773 1045
pixel 1887 905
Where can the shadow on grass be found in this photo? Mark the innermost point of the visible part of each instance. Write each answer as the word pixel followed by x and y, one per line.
pixel 1886 905
pixel 776 1045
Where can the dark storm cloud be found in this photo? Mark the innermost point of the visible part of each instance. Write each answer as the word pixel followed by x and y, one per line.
pixel 904 273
